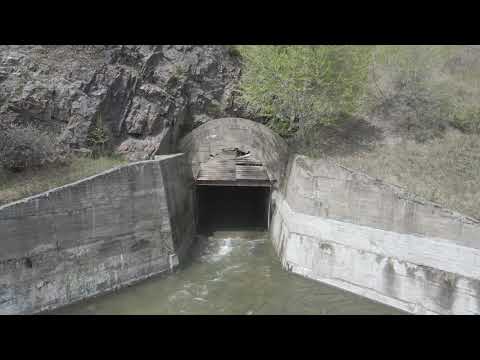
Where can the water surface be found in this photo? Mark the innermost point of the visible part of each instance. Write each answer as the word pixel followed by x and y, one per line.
pixel 230 272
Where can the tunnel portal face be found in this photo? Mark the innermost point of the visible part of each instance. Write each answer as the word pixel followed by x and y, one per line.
pixel 249 137
pixel 235 163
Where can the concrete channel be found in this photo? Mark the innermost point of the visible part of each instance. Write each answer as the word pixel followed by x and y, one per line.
pixel 345 238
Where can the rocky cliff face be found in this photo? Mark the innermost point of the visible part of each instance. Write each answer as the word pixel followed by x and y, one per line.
pixel 144 96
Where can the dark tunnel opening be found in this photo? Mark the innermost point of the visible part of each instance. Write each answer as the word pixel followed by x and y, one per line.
pixel 232 208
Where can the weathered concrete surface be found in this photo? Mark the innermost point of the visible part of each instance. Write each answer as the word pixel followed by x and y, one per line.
pixel 325 189
pixel 354 232
pixel 215 135
pixel 95 235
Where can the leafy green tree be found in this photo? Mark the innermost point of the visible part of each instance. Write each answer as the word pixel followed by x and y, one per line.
pixel 298 87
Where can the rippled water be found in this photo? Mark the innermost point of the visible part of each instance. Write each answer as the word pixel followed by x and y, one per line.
pixel 231 272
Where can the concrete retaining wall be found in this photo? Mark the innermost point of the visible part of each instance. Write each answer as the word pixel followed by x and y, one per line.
pixel 354 232
pixel 95 235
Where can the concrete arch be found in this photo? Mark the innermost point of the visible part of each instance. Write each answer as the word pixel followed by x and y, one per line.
pixel 246 135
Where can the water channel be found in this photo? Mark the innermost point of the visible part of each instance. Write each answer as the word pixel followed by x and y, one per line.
pixel 231 271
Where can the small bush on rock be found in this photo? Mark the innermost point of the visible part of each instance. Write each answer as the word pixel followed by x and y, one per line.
pixel 98 138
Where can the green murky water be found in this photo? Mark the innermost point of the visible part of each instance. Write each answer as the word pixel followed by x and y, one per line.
pixel 230 272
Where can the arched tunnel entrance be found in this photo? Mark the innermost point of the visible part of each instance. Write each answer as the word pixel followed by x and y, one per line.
pixel 236 164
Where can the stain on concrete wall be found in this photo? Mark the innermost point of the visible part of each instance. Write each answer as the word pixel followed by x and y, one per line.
pixel 94 235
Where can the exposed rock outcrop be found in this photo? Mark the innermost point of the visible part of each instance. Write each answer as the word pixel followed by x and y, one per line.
pixel 143 96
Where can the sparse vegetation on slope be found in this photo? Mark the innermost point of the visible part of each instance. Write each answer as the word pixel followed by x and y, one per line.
pixel 422 90
pixel 418 91
pixel 31 161
pixel 444 170
pixel 16 185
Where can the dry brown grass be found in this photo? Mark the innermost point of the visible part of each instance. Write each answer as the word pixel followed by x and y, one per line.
pixel 14 186
pixel 445 170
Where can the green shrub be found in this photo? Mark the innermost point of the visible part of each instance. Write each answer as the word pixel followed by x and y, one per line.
pixel 98 138
pixel 297 87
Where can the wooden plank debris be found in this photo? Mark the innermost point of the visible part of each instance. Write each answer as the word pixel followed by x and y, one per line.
pixel 230 166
